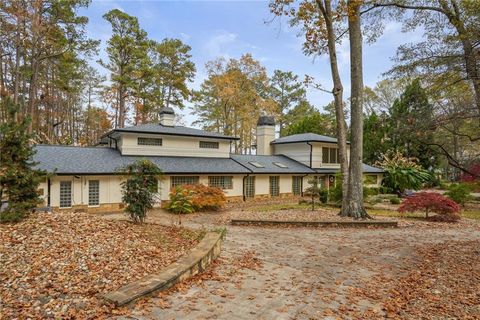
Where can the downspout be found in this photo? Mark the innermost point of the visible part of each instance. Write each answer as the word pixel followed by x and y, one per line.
pixel 49 184
pixel 245 177
pixel 311 153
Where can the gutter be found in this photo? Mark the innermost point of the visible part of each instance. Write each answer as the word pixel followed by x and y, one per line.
pixel 170 134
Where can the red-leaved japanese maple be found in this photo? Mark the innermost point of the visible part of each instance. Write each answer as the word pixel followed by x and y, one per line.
pixel 445 208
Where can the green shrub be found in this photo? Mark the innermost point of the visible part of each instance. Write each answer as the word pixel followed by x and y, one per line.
pixel 335 193
pixel 373 191
pixel 180 200
pixel 139 190
pixel 460 193
pixel 323 195
pixel 395 200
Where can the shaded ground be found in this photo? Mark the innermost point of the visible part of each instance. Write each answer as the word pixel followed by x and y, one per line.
pixel 302 273
pixel 57 265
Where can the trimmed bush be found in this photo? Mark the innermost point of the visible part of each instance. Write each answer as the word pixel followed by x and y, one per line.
pixel 140 189
pixel 432 202
pixel 180 200
pixel 460 193
pixel 323 195
pixel 395 200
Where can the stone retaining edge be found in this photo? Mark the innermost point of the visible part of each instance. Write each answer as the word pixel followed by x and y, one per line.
pixel 242 222
pixel 194 262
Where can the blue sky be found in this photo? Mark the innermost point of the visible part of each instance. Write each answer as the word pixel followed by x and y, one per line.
pixel 231 28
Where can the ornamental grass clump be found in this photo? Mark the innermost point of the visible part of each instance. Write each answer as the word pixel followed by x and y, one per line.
pixel 446 210
pixel 402 173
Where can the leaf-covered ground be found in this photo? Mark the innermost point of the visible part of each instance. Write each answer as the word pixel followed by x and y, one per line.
pixel 421 270
pixel 57 265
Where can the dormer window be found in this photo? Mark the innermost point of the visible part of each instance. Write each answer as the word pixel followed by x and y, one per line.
pixel 209 144
pixel 149 141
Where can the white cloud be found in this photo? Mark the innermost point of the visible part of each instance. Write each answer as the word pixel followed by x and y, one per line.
pixel 217 44
pixel 184 36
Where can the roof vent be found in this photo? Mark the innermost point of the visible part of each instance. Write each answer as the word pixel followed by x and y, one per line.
pixel 266 121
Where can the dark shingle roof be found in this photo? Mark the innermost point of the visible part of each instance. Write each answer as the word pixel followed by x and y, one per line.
pixel 366 169
pixel 269 164
pixel 304 137
pixel 174 130
pixel 102 160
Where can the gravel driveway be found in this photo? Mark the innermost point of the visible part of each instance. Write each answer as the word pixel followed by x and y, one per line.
pixel 300 273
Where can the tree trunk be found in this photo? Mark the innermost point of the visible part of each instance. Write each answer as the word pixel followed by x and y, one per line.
pixel 354 197
pixel 326 10
pixel 121 107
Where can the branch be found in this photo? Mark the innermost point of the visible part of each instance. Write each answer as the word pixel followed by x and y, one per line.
pixel 406 6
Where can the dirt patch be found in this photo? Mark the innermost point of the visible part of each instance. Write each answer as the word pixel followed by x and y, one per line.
pixel 58 265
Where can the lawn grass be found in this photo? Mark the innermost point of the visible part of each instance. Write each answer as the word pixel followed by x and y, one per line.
pixel 470 214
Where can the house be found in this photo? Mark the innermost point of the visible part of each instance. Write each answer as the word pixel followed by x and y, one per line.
pixel 86 178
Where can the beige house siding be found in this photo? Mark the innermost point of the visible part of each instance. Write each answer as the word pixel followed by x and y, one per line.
pixel 296 151
pixel 301 152
pixel 172 146
pixel 110 196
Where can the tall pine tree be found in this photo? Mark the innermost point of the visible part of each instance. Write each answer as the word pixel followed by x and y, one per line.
pixel 19 180
pixel 411 124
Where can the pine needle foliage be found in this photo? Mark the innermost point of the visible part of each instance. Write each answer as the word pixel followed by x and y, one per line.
pixel 19 180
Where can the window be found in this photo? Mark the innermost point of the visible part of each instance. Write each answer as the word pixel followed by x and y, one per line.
pixel 370 179
pixel 209 144
pixel 280 165
pixel 250 187
pixel 274 186
pixel 222 182
pixel 297 185
pixel 257 164
pixel 65 194
pixel 330 155
pixel 93 192
pixel 149 141
pixel 183 180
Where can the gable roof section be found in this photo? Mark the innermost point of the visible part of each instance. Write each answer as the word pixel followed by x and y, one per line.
pixel 269 165
pixel 304 137
pixel 156 128
pixel 65 160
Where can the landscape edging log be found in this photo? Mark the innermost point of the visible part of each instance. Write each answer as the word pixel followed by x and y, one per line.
pixel 368 223
pixel 194 262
